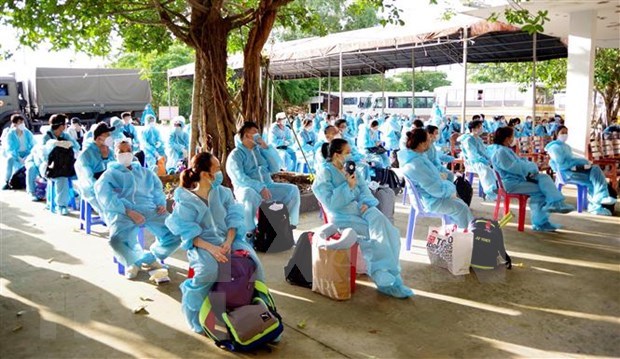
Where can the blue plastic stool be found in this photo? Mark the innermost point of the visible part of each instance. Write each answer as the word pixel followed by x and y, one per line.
pixel 87 219
pixel 470 178
pixel 120 267
pixel 417 211
pixel 582 191
pixel 50 196
pixel 302 167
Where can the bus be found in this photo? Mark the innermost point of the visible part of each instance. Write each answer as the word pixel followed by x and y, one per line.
pixel 399 103
pixel 355 102
pixel 494 99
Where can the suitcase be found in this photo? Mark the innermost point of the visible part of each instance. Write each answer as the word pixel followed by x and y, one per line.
pixel 298 271
pixel 387 201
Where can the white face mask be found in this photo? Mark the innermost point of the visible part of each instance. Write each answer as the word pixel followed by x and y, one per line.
pixel 514 142
pixel 21 126
pixel 337 135
pixel 125 158
pixel 563 137
pixel 109 142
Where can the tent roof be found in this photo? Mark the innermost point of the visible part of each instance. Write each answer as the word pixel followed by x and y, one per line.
pixel 375 50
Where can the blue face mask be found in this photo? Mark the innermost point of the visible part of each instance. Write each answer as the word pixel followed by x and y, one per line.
pixel 217 180
pixel 255 138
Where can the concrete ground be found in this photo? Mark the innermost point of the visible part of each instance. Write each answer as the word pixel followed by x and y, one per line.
pixel 61 298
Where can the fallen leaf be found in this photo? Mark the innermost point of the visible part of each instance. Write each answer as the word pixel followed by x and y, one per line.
pixel 373 331
pixel 21 312
pixel 17 328
pixel 141 309
pixel 50 260
pixel 65 276
pixel 146 299
pixel 301 324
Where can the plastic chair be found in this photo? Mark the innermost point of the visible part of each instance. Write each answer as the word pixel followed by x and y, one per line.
pixel 354 250
pixel 120 267
pixel 506 197
pixel 582 191
pixel 417 211
pixel 50 196
pixel 470 178
pixel 87 219
pixel 302 167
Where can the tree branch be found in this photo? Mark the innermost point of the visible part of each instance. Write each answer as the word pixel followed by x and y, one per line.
pixel 177 30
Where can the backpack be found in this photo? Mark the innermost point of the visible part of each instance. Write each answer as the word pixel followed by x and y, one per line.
pixel 298 271
pixel 244 328
pixel 235 280
pixel 463 189
pixel 387 176
pixel 273 232
pixel 60 163
pixel 612 193
pixel 488 245
pixel 18 180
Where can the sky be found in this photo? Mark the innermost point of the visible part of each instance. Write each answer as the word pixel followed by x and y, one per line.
pixel 24 60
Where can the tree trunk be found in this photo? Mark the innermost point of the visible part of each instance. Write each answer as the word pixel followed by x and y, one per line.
pixel 252 94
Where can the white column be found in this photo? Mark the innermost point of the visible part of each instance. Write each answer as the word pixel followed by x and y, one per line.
pixel 579 80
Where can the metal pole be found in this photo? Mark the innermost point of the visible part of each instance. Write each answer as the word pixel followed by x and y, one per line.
pixel 340 86
pixel 383 93
pixel 169 100
pixel 271 105
pixel 534 39
pixel 412 82
pixel 464 107
pixel 329 85
pixel 320 103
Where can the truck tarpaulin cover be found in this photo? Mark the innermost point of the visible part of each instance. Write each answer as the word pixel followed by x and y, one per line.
pixel 90 90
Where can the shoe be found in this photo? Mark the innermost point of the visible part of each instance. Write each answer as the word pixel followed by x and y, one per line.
pixel 396 291
pixel 547 227
pixel 6 186
pixel 63 211
pixel 131 272
pixel 155 265
pixel 34 198
pixel 607 201
pixel 601 212
pixel 383 279
pixel 559 207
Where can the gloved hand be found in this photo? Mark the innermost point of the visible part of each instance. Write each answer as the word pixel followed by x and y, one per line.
pixel 157 144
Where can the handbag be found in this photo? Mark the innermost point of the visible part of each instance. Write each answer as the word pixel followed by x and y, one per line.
pixel 450 249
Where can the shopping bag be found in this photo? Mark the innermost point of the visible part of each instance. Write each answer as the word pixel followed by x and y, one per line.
pixel 450 249
pixel 331 272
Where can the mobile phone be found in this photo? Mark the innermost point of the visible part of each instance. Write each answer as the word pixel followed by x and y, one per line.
pixel 349 167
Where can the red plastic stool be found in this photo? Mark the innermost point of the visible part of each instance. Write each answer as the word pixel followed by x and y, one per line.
pixel 190 273
pixel 504 196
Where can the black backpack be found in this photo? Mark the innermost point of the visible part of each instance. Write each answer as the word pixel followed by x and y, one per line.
pixel 387 177
pixel 488 245
pixel 463 189
pixel 60 163
pixel 274 232
pixel 298 271
pixel 18 180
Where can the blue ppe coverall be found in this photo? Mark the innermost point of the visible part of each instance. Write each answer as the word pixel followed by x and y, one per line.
pixel 152 145
pixel 488 126
pixel 193 218
pixel 513 171
pixel 527 129
pixel 436 194
pixel 117 134
pixel 16 149
pixel 540 131
pixel 281 137
pixel 89 165
pixel 120 189
pixel 63 193
pixel 35 167
pixel 562 160
pixel 308 140
pixel 378 238
pixel 477 160
pixel 178 145
pixel 250 171
pixel 148 111
pixel 434 158
pixel 366 139
pixel 391 128
pixel 129 130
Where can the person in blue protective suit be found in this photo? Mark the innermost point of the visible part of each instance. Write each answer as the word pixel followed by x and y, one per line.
pixel 356 156
pixel 351 133
pixel 77 131
pixel 368 141
pixel 391 133
pixel 478 160
pixel 433 155
pixel 521 176
pixel 527 129
pixel 35 167
pixel 515 123
pixel 540 130
pixel 178 145
pixel 437 194
pixel 298 123
pixel 250 166
pixel 131 196
pixel 579 170
pixel 17 145
pixel 93 161
pixel 308 140
pixel 436 116
pixel 487 124
pixel 129 130
pixel 210 224
pixel 330 133
pixel 455 124
pixel 281 137
pixel 318 121
pixel 552 125
pixel 117 132
pixel 148 111
pixel 57 137
pixel 152 143
pixel 350 204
